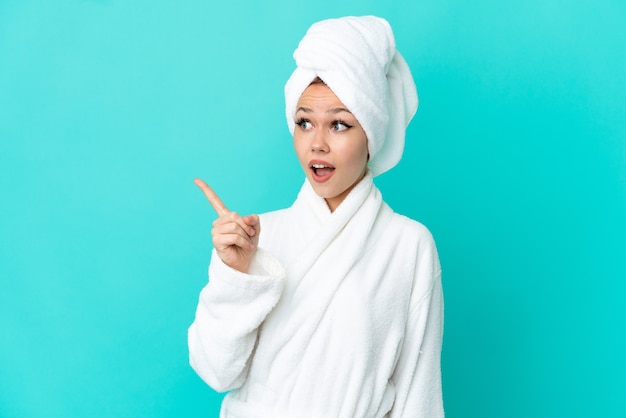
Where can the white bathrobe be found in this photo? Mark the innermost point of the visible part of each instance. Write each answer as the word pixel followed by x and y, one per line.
pixel 341 315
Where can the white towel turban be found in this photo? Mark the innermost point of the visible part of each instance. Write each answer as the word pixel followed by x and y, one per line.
pixel 357 59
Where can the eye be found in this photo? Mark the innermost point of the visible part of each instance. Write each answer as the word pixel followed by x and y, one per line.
pixel 304 124
pixel 340 126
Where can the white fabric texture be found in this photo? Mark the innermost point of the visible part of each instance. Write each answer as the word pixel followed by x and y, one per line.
pixel 340 316
pixel 357 59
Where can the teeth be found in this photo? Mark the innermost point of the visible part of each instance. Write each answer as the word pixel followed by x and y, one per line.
pixel 319 166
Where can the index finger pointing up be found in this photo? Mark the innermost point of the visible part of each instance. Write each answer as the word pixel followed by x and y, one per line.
pixel 212 197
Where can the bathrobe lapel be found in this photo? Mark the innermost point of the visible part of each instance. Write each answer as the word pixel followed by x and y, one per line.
pixel 314 275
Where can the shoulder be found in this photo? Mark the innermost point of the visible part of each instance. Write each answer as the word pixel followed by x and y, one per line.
pixel 409 229
pixel 415 242
pixel 274 228
pixel 274 217
pixel 418 246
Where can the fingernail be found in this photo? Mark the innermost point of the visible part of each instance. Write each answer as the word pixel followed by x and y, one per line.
pixel 251 231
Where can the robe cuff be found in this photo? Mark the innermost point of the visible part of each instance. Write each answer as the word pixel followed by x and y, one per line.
pixel 265 279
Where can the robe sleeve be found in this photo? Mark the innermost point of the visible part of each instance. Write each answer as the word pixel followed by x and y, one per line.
pixel 417 377
pixel 231 308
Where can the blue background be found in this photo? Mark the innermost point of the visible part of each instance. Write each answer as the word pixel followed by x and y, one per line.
pixel 516 161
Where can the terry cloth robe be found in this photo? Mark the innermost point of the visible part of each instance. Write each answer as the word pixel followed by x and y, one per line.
pixel 341 315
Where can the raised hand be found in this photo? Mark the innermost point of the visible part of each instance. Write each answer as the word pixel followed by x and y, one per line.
pixel 235 237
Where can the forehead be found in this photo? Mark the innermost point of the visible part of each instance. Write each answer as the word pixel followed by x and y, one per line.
pixel 319 95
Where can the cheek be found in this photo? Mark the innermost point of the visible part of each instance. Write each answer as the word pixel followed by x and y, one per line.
pixel 361 154
pixel 361 151
pixel 296 145
pixel 299 149
pixel 356 159
pixel 366 153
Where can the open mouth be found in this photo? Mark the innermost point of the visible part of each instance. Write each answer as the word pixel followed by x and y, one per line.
pixel 322 172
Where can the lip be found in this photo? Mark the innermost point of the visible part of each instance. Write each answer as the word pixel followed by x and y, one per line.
pixel 321 178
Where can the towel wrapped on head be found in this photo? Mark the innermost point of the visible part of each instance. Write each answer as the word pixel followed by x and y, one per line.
pixel 357 59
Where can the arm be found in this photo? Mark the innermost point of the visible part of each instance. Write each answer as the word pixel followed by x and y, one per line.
pixel 417 376
pixel 245 283
pixel 231 308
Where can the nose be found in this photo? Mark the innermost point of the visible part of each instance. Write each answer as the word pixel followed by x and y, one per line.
pixel 319 141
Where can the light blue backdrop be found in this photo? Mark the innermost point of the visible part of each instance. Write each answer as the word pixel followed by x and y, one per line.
pixel 516 161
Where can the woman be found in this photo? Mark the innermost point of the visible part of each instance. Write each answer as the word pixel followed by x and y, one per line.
pixel 336 308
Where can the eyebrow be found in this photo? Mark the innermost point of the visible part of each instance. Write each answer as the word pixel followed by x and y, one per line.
pixel 333 110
